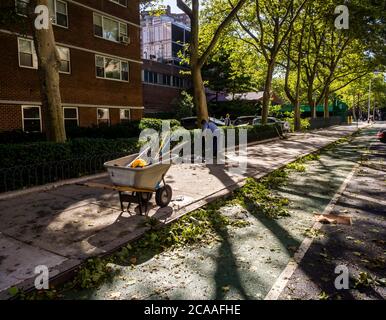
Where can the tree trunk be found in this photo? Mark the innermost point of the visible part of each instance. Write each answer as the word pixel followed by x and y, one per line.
pixel 48 71
pixel 267 93
pixel 354 109
pixel 311 101
pixel 297 125
pixel 313 109
pixel 326 110
pixel 199 94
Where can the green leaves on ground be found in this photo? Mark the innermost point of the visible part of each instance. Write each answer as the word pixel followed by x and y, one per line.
pixel 259 197
pixel 92 273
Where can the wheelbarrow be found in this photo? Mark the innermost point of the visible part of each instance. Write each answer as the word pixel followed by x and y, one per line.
pixel 137 185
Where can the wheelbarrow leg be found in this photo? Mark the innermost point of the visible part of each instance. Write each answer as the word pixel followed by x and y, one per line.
pixel 163 180
pixel 120 199
pixel 138 194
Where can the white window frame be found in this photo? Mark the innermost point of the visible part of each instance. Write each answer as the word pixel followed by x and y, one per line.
pixel 108 113
pixel 117 2
pixel 120 68
pixel 77 115
pixel 69 61
pixel 103 28
pixel 34 55
pixel 120 118
pixel 20 14
pixel 53 19
pixel 40 116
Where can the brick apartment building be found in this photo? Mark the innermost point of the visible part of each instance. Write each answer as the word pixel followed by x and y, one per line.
pixel 162 86
pixel 100 75
pixel 162 38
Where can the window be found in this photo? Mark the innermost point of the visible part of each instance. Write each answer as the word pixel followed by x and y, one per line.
pixel 111 68
pixel 125 115
pixel 109 29
pixel 121 2
pixel 64 53
pixel 124 71
pixel 103 116
pixel 27 54
pixel 22 7
pixel 31 119
pixel 178 82
pixel 70 116
pixel 166 79
pixel 58 12
pixel 28 57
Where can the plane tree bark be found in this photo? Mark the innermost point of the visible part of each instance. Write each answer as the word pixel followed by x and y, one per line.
pixel 48 72
pixel 269 26
pixel 197 59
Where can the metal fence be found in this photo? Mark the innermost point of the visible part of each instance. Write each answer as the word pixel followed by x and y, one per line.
pixel 21 177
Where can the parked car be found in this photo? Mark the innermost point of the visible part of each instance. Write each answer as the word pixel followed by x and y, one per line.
pixel 189 123
pixel 217 122
pixel 382 135
pixel 243 121
pixel 285 126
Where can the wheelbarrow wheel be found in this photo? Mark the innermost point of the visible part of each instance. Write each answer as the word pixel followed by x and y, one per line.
pixel 163 196
pixel 146 196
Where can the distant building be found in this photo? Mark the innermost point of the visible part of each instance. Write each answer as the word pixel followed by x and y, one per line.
pixel 100 74
pixel 255 97
pixel 162 39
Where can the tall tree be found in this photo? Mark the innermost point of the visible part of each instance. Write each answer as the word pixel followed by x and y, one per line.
pixel 48 61
pixel 294 54
pixel 48 70
pixel 198 58
pixel 268 24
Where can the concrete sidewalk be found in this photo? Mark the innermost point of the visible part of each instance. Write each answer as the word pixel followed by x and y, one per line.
pixel 63 226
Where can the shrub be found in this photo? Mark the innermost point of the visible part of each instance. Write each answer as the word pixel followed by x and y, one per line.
pixel 254 133
pixel 156 124
pixel 289 117
pixel 19 136
pixel 43 152
pixel 129 130
pixel 185 105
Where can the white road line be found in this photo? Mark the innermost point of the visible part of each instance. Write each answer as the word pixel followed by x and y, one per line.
pixel 282 281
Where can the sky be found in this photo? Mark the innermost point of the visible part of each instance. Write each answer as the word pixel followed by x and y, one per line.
pixel 173 5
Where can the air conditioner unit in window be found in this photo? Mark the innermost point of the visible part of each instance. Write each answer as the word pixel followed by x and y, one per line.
pixel 124 39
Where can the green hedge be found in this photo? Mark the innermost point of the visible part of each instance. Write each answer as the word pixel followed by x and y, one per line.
pixel 26 165
pixel 156 124
pixel 40 152
pixel 131 129
pixel 255 133
pixel 19 136
pixel 43 152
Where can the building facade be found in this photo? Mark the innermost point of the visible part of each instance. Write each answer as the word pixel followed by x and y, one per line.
pixel 162 86
pixel 164 37
pixel 100 73
pixel 163 40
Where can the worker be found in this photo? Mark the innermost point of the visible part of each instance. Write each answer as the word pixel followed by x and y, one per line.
pixel 212 127
pixel 227 120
